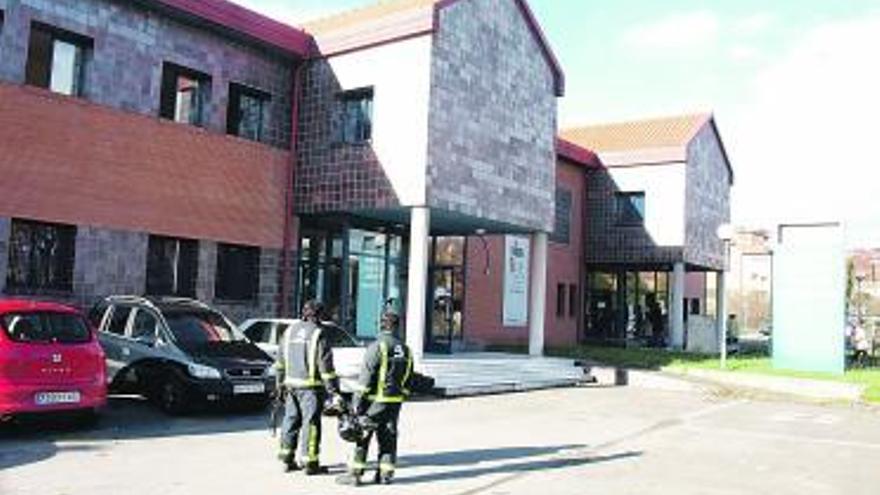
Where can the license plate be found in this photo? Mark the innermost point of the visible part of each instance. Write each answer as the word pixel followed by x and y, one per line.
pixel 249 388
pixel 50 398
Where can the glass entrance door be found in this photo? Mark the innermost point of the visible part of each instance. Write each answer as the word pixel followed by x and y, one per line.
pixel 445 303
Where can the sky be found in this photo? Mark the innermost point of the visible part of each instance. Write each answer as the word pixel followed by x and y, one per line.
pixel 794 86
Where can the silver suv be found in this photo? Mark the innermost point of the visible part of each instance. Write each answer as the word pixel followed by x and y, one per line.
pixel 180 353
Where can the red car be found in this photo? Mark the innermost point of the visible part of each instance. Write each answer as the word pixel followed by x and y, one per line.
pixel 50 360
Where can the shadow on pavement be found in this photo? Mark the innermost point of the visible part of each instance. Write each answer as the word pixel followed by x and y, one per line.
pixel 33 439
pixel 470 457
pixel 518 467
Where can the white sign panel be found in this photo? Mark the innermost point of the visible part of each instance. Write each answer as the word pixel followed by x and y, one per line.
pixel 516 281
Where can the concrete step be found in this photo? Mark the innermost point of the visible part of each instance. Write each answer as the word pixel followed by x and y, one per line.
pixel 470 374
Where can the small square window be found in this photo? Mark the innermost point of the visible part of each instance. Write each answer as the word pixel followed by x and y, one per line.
pixel 185 95
pixel 246 112
pixel 56 59
pixel 630 208
pixel 172 266
pixel 237 272
pixel 357 116
pixel 41 256
pixel 560 300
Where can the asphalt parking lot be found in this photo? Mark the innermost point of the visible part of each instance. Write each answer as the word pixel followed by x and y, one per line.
pixel 583 440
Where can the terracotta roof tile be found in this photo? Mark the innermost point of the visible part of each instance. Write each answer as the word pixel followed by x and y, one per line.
pixel 354 17
pixel 666 132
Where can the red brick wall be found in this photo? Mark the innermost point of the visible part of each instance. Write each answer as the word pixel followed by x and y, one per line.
pixel 483 305
pixel 68 160
pixel 566 261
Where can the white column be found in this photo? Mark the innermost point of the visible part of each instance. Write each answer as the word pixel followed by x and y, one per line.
pixel 416 295
pixel 721 310
pixel 538 299
pixel 676 308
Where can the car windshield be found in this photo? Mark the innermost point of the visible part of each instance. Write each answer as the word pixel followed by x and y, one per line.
pixel 194 327
pixel 46 327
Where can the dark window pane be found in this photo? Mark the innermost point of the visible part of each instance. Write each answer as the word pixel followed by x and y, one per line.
pixel 237 272
pixel 573 300
pixel 172 266
pixel 562 226
pixel 357 115
pixel 118 320
pixel 46 327
pixel 560 300
pixel 245 112
pixel 41 256
pixel 185 94
pixel 145 326
pixel 56 59
pixel 630 208
pixel 260 332
pixel 192 329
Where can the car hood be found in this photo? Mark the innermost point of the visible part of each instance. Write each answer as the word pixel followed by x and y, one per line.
pixel 229 354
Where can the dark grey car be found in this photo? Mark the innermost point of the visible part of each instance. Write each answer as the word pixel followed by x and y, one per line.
pixel 180 353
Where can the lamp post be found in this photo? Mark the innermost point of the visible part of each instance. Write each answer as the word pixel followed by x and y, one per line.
pixel 725 234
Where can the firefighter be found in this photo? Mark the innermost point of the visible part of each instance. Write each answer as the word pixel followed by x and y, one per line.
pixel 382 388
pixel 307 376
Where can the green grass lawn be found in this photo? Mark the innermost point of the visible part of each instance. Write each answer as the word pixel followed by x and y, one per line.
pixel 658 359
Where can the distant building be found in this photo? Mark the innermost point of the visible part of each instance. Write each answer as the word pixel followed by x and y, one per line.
pixel 652 215
pixel 750 279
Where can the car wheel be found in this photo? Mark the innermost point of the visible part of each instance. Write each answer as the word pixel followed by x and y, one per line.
pixel 172 397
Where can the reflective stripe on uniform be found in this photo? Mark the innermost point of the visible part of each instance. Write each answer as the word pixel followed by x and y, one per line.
pixel 313 443
pixel 313 354
pixel 409 367
pixel 386 467
pixel 380 396
pixel 300 383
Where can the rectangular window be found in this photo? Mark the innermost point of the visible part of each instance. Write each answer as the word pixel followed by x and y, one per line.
pixel 185 95
pixel 573 300
pixel 560 300
pixel 41 256
pixel 237 272
pixel 56 59
pixel 562 226
pixel 630 208
pixel 172 266
pixel 245 114
pixel 357 116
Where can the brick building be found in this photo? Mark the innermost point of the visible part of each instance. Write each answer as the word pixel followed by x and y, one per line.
pixel 655 265
pixel 405 153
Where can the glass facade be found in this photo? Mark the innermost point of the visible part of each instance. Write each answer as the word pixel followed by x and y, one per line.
pixel 627 307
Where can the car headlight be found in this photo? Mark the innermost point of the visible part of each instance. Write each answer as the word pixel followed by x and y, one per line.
pixel 271 372
pixel 203 372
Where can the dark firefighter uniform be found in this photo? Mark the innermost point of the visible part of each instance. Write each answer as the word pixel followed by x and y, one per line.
pixel 305 366
pixel 383 386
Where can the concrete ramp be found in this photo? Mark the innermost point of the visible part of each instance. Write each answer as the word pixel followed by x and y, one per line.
pixel 468 374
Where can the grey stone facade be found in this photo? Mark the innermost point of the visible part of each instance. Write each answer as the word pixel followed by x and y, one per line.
pixel 610 244
pixel 492 121
pixel 708 200
pixel 130 43
pixel 108 262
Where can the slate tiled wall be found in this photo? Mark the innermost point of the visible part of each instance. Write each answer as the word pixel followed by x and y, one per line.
pixel 708 200
pixel 492 126
pixel 609 243
pixel 334 176
pixel 130 44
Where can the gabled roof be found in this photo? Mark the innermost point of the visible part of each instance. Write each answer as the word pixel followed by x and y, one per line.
pixel 644 142
pixel 576 154
pixel 658 133
pixel 225 14
pixel 391 20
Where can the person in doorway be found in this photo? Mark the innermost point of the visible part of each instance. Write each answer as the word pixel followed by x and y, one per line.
pixel 860 344
pixel 732 329
pixel 655 318
pixel 383 386
pixel 306 374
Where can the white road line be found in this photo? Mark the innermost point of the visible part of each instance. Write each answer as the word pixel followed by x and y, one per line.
pixel 783 436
